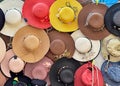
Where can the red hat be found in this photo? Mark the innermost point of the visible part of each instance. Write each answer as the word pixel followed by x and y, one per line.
pixel 36 13
pixel 88 75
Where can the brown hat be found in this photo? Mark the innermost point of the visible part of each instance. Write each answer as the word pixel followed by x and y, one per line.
pixel 61 44
pixel 30 44
pixel 91 21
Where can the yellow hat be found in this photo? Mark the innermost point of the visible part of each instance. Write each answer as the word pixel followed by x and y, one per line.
pixel 64 15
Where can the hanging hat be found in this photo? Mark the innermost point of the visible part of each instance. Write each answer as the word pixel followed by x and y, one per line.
pixel 62 72
pixel 37 82
pixel 64 15
pixel 88 75
pixel 111 46
pixel 13 18
pixel 2 19
pixel 39 70
pixel 36 13
pixel 91 21
pixel 112 19
pixel 111 73
pixel 2 79
pixel 61 44
pixel 85 49
pixel 30 44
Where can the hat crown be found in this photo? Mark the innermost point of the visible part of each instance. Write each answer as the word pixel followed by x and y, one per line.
pixel 116 18
pixel 40 10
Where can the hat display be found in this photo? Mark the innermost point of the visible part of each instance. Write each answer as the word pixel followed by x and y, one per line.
pixel 64 15
pixel 110 72
pixel 112 19
pixel 63 71
pixel 37 82
pixel 91 21
pixel 61 44
pixel 2 79
pixel 88 75
pixel 85 49
pixel 111 46
pixel 30 44
pixel 2 19
pixel 36 13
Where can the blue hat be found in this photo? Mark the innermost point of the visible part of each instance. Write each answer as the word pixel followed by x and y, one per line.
pixel 111 73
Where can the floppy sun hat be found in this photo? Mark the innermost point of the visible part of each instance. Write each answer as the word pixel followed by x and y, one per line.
pixel 64 15
pixel 111 46
pixel 112 19
pixel 2 19
pixel 36 13
pixel 85 49
pixel 91 21
pixel 30 44
pixel 13 18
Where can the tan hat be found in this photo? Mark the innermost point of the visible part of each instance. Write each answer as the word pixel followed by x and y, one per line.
pixel 111 46
pixel 30 44
pixel 85 49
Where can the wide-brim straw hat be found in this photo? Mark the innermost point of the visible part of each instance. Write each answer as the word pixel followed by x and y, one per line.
pixel 13 16
pixel 91 21
pixel 30 44
pixel 64 15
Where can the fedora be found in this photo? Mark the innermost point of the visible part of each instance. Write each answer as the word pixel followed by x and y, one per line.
pixel 30 44
pixel 110 72
pixel 64 15
pixel 61 44
pixel 13 18
pixel 88 75
pixel 85 49
pixel 91 21
pixel 2 79
pixel 36 13
pixel 63 71
pixel 111 46
pixel 112 18
pixel 2 19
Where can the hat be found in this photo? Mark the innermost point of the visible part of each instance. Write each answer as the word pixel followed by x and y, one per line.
pixel 112 19
pixel 36 13
pixel 39 70
pixel 2 79
pixel 37 82
pixel 30 44
pixel 88 75
pixel 111 46
pixel 13 18
pixel 61 44
pixel 111 73
pixel 84 2
pixel 62 72
pixel 2 19
pixel 85 49
pixel 64 15
pixel 91 21
pixel 2 49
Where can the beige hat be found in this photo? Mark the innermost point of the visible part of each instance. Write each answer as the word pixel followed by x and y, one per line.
pixel 86 49
pixel 13 18
pixel 111 46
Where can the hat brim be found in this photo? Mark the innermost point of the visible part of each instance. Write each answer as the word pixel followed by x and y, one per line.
pixel 88 31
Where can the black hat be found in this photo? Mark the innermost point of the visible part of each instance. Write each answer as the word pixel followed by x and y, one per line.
pixel 38 82
pixel 2 19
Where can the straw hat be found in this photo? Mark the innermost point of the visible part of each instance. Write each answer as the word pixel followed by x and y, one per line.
pixel 36 12
pixel 85 49
pixel 61 44
pixel 2 79
pixel 30 44
pixel 112 19
pixel 64 15
pixel 91 21
pixel 111 46
pixel 13 18
pixel 2 19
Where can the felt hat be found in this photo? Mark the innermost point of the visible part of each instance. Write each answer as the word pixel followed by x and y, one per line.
pixel 30 44
pixel 112 19
pixel 62 72
pixel 111 46
pixel 88 75
pixel 111 73
pixel 39 70
pixel 85 49
pixel 2 79
pixel 2 19
pixel 13 16
pixel 61 44
pixel 64 15
pixel 36 13
pixel 91 21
